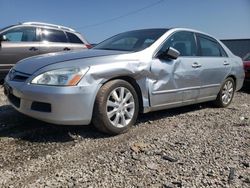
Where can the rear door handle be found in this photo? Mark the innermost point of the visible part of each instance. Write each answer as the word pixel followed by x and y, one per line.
pixel 196 65
pixel 225 63
pixel 66 49
pixel 33 48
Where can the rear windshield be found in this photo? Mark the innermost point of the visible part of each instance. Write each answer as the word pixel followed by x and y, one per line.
pixel 73 38
pixel 132 40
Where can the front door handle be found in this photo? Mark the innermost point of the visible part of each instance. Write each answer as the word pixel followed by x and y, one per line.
pixel 196 65
pixel 66 49
pixel 33 49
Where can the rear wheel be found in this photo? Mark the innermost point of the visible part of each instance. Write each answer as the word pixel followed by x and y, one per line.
pixel 116 107
pixel 225 96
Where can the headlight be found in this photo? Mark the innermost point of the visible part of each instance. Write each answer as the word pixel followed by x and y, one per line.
pixel 61 77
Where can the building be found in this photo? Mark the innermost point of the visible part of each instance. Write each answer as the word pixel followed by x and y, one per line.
pixel 239 47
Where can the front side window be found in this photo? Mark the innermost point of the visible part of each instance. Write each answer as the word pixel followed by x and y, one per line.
pixel 21 34
pixel 209 48
pixel 132 40
pixel 52 35
pixel 182 41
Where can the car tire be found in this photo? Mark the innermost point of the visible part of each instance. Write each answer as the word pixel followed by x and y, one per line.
pixel 226 94
pixel 116 107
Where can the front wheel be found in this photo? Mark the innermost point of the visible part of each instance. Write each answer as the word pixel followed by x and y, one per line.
pixel 225 96
pixel 116 107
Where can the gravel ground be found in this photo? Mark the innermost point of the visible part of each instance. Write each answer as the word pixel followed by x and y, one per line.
pixel 194 146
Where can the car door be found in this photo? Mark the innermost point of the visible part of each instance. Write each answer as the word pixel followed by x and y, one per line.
pixel 176 81
pixel 215 66
pixel 19 43
pixel 53 40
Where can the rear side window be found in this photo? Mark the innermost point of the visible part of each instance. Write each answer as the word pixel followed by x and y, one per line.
pixel 21 34
pixel 222 51
pixel 182 41
pixel 210 48
pixel 73 38
pixel 52 35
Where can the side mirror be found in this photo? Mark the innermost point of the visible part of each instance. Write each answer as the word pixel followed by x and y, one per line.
pixel 3 38
pixel 170 53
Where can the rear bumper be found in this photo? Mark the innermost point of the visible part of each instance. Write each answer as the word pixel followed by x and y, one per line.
pixel 58 105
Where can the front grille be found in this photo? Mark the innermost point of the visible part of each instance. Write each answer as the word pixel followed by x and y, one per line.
pixel 18 76
pixel 14 100
pixel 41 106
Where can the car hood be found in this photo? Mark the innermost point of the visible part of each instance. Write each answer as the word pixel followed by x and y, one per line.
pixel 32 64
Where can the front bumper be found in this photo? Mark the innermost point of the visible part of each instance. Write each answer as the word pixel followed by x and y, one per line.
pixel 57 105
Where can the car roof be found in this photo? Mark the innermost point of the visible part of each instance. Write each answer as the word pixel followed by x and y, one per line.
pixel 48 26
pixel 43 24
pixel 175 29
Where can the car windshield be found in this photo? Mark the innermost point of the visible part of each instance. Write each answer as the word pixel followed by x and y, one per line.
pixel 247 57
pixel 1 29
pixel 132 40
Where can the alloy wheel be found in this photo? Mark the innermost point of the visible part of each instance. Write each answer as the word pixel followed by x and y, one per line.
pixel 227 92
pixel 120 107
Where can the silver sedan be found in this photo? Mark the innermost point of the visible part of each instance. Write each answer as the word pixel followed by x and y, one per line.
pixel 132 72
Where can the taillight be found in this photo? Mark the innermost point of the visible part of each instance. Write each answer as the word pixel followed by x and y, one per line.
pixel 88 46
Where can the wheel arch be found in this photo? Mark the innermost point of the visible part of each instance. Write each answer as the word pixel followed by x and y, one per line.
pixel 135 85
pixel 234 78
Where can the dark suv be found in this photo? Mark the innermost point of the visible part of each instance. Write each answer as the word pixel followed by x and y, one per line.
pixel 33 38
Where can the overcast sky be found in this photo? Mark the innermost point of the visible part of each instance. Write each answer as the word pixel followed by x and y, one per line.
pixel 99 19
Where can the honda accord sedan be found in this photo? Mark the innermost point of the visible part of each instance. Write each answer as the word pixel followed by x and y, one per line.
pixel 136 71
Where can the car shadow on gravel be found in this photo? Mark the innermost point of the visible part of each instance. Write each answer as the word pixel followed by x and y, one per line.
pixel 157 115
pixel 16 125
pixel 245 89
